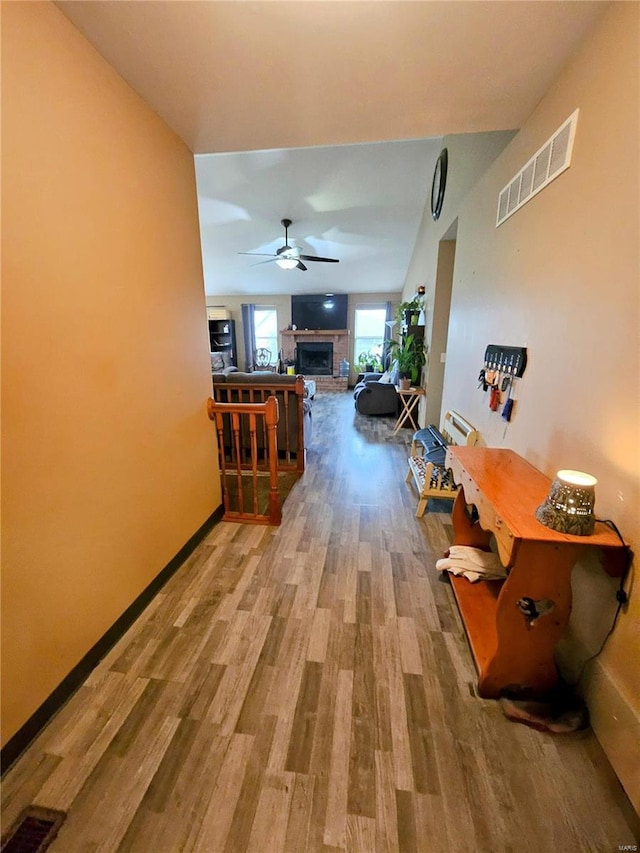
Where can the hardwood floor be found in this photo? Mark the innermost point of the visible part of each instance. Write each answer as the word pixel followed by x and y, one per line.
pixel 309 688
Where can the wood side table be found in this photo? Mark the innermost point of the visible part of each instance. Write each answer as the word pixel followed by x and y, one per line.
pixel 510 648
pixel 409 400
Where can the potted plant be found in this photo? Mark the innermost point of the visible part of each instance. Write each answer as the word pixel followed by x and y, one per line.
pixel 410 357
pixel 408 313
pixel 369 362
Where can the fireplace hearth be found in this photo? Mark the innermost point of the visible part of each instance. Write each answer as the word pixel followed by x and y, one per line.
pixel 314 358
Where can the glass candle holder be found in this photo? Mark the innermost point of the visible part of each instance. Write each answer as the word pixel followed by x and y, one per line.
pixel 569 506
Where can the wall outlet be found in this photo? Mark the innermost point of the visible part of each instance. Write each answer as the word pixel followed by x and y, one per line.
pixel 443 357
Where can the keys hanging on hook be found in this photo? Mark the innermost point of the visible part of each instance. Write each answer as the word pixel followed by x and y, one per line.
pixel 507 409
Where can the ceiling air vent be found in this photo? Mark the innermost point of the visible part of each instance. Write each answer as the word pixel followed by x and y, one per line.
pixel 545 165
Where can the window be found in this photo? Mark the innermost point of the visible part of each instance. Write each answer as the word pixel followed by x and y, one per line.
pixel 369 335
pixel 265 322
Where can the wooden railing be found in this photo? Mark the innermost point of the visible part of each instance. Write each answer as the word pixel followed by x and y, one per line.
pixel 290 430
pixel 245 496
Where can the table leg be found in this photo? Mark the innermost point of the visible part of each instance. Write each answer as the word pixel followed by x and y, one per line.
pixel 524 658
pixel 514 650
pixel 406 413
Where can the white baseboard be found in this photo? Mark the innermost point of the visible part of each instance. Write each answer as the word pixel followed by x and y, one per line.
pixel 617 726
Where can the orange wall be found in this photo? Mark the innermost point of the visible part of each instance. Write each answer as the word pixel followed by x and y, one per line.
pixel 108 458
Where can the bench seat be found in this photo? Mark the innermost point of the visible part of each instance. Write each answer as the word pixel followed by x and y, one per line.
pixel 433 480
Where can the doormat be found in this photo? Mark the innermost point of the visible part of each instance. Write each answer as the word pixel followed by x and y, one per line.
pixel 33 831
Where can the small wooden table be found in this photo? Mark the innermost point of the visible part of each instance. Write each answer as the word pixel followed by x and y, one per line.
pixel 409 400
pixel 510 649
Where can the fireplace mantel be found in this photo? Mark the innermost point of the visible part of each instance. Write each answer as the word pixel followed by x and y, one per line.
pixel 326 333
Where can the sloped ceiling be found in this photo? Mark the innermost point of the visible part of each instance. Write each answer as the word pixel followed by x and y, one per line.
pixel 264 77
pixel 361 204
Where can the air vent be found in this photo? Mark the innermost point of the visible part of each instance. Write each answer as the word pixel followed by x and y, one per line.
pixel 34 830
pixel 545 165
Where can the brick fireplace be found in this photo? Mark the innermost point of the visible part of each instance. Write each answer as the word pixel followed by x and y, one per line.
pixel 339 338
pixel 314 358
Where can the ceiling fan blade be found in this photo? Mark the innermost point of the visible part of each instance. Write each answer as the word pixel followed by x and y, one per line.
pixel 257 264
pixel 301 266
pixel 259 254
pixel 324 260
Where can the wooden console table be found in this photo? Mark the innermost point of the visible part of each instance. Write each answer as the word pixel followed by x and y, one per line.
pixel 510 648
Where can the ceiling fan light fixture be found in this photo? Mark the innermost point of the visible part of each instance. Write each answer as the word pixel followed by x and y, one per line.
pixel 289 257
pixel 287 263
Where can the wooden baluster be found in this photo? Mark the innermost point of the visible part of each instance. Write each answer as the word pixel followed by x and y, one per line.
pixel 271 420
pixel 253 433
pixel 242 448
pixel 287 436
pixel 236 419
pixel 264 394
pixel 300 404
pixel 223 463
pixel 227 399
pixel 218 416
pixel 247 396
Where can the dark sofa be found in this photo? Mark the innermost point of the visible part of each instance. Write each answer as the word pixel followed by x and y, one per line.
pixel 373 397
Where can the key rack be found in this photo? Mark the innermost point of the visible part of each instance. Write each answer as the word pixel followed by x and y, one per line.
pixel 513 360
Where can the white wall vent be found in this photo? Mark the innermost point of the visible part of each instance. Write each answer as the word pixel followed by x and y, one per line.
pixel 545 165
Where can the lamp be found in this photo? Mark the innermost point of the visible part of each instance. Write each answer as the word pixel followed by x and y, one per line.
pixel 568 508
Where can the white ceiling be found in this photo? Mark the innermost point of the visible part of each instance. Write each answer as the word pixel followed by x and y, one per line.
pixel 361 204
pixel 304 79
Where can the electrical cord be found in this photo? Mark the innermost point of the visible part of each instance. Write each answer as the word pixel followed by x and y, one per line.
pixel 621 596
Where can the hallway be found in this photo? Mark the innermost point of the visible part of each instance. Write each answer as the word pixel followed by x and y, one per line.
pixel 309 688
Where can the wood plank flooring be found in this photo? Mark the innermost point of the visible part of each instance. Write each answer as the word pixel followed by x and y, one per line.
pixel 309 688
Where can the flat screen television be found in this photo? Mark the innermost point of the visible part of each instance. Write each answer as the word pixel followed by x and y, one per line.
pixel 319 311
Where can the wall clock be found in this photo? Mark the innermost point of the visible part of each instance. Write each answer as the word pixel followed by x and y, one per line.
pixel 439 183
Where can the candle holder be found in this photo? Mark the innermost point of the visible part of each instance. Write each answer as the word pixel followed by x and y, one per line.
pixel 568 508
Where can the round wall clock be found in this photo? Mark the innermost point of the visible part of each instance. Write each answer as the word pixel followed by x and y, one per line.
pixel 439 183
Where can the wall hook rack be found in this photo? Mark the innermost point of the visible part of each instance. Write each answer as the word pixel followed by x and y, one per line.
pixel 513 360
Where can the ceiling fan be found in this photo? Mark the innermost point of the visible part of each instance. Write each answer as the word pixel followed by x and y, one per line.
pixel 289 257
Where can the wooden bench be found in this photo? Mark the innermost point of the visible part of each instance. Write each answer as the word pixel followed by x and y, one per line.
pixel 433 480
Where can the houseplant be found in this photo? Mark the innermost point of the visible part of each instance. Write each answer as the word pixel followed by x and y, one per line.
pixel 408 313
pixel 410 356
pixel 369 362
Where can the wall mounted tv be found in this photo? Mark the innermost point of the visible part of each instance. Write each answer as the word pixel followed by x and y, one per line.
pixel 319 311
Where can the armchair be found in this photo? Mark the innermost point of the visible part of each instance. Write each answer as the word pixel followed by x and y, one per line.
pixel 375 397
